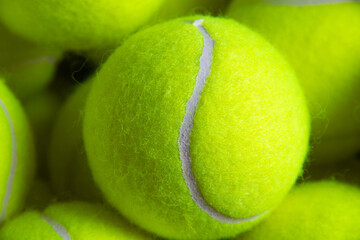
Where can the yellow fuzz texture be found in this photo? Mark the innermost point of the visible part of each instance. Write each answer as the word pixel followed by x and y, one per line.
pixel 248 142
pixel 320 210
pixel 78 220
pixel 322 43
pixel 17 155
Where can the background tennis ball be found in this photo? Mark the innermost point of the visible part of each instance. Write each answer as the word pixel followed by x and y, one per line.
pixel 346 171
pixel 17 158
pixel 40 195
pixel 77 25
pixel 320 210
pixel 42 110
pixel 177 8
pixel 321 39
pixel 26 67
pixel 74 220
pixel 249 130
pixel 68 165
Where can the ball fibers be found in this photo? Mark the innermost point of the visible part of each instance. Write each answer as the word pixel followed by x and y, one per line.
pixel 319 210
pixel 76 25
pixel 26 67
pixel 71 220
pixel 215 84
pixel 16 154
pixel 347 170
pixel 68 166
pixel 321 40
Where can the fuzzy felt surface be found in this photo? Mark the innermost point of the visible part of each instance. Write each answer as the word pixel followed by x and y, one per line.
pixel 74 221
pixel 249 137
pixel 26 67
pixel 68 166
pixel 77 25
pixel 17 158
pixel 322 43
pixel 313 211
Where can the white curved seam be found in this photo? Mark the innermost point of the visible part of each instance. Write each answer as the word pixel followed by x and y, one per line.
pixel 13 164
pixel 58 228
pixel 187 126
pixel 47 59
pixel 305 2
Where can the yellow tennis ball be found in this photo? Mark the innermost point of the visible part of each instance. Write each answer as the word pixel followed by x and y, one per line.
pixel 346 171
pixel 17 159
pixel 195 128
pixel 72 220
pixel 321 39
pixel 177 8
pixel 319 210
pixel 68 165
pixel 26 67
pixel 77 25
pixel 42 110
pixel 40 195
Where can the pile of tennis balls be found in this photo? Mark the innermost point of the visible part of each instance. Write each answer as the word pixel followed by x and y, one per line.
pixel 179 119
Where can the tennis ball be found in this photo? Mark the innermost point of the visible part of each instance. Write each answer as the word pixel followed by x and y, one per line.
pixel 26 67
pixel 321 39
pixel 72 220
pixel 42 110
pixel 320 210
pixel 346 171
pixel 176 8
pixel 68 166
pixel 77 25
pixel 215 84
pixel 17 159
pixel 40 195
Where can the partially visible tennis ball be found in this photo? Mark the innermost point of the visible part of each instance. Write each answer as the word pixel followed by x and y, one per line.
pixel 26 67
pixel 42 110
pixel 17 158
pixel 196 128
pixel 321 39
pixel 68 165
pixel 319 210
pixel 346 171
pixel 40 195
pixel 77 24
pixel 177 8
pixel 73 220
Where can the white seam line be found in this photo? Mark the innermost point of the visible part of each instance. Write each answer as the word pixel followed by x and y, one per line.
pixel 14 160
pixel 305 2
pixel 48 59
pixel 187 126
pixel 58 228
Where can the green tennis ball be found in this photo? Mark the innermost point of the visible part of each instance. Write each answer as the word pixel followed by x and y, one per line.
pixel 176 8
pixel 68 165
pixel 26 67
pixel 40 195
pixel 186 166
pixel 77 25
pixel 347 171
pixel 321 39
pixel 73 220
pixel 17 158
pixel 319 210
pixel 42 110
